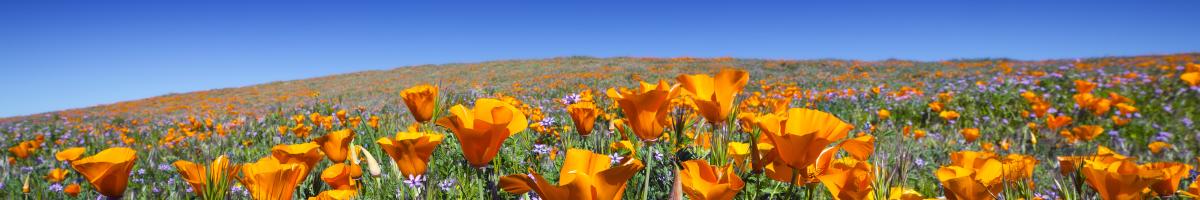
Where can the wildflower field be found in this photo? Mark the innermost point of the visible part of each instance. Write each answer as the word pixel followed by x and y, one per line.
pixel 640 128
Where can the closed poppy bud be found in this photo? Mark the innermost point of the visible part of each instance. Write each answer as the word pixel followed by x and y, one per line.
pixel 421 101
pixel 336 145
pixel 372 165
pixel 583 115
pixel 108 171
pixel 714 95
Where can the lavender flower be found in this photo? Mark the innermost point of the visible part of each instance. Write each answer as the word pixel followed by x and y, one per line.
pixel 415 181
pixel 447 184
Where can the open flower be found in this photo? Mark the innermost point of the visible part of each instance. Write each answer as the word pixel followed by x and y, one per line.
pixel 57 175
pixel 410 150
pixel 108 171
pixel 714 95
pixel 584 176
pixel 584 114
pixel 948 115
pixel 972 175
pixel 481 130
pixel 70 154
pixel 703 181
pixel 421 101
pixel 848 178
pixel 1158 146
pixel 1082 132
pixel 336 195
pixel 802 136
pixel 212 180
pixel 341 176
pixel 305 154
pixel 646 110
pixel 1173 173
pixel 336 145
pixel 970 134
pixel 268 178
pixel 72 190
pixel 1054 123
pixel 1121 179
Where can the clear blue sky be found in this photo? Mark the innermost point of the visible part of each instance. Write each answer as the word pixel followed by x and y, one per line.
pixel 57 55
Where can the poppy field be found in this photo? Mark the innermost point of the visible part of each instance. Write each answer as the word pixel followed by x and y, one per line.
pixel 640 128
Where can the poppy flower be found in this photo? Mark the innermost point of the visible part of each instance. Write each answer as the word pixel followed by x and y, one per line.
pixel 22 150
pixel 306 154
pixel 336 145
pixel 57 175
pixel 900 193
pixel 714 95
pixel 1083 132
pixel 738 151
pixel 584 176
pixel 646 109
pixel 341 176
pixel 481 130
pixel 948 115
pixel 108 171
pixel 884 114
pixel 410 150
pixel 421 101
pixel 1121 179
pixel 268 178
pixel 1191 78
pixel 584 114
pixel 213 179
pixel 335 195
pixel 1173 173
pixel 70 154
pixel 848 178
pixel 72 190
pixel 1053 123
pixel 970 134
pixel 961 182
pixel 703 181
pixel 1158 146
pixel 802 135
pixel 936 106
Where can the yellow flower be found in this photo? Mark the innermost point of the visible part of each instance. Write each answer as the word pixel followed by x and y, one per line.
pixel 646 110
pixel 900 193
pixel 70 154
pixel 848 178
pixel 270 179
pixel 215 177
pixel 483 129
pixel 738 152
pixel 584 176
pixel 108 171
pixel 714 95
pixel 410 150
pixel 970 134
pixel 336 145
pixel 1158 146
pixel 884 114
pixel 421 101
pixel 948 115
pixel 584 114
pixel 1191 78
pixel 703 181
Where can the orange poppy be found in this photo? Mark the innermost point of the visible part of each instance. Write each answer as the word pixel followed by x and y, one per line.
pixel 584 176
pixel 848 178
pixel 57 175
pixel 70 154
pixel 703 181
pixel 305 154
pixel 646 110
pixel 336 145
pixel 970 134
pixel 1173 173
pixel 108 171
pixel 341 176
pixel 421 101
pixel 802 136
pixel 584 114
pixel 1121 179
pixel 268 178
pixel 213 178
pixel 410 150
pixel 481 130
pixel 714 95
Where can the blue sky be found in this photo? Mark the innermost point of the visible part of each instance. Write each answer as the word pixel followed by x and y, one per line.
pixel 60 54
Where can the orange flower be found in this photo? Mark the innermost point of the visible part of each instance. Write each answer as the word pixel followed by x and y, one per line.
pixel 335 195
pixel 1054 123
pixel 714 95
pixel 967 183
pixel 108 171
pixel 801 137
pixel 738 152
pixel 935 106
pixel 948 115
pixel 1082 86
pixel 214 178
pixel 848 178
pixel 23 149
pixel 305 154
pixel 1158 146
pixel 970 134
pixel 1173 173
pixel 1121 179
pixel 268 178
pixel 483 129
pixel 1083 132
pixel 336 145
pixel 57 175
pixel 72 190
pixel 584 114
pixel 421 101
pixel 70 154
pixel 1069 164
pixel 646 109
pixel 884 114
pixel 703 181
pixel 1191 78
pixel 584 176
pixel 341 176
pixel 410 150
